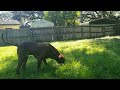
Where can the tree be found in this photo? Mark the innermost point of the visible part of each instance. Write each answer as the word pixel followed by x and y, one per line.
pixel 63 18
pixel 22 16
pixel 5 15
pixel 90 15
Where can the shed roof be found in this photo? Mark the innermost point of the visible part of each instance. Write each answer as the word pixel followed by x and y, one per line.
pixel 103 21
pixel 9 22
pixel 40 23
pixel 99 21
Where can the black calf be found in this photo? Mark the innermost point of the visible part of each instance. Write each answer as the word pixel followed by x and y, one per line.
pixel 41 51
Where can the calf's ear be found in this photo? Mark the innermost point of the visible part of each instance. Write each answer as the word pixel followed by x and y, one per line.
pixel 61 56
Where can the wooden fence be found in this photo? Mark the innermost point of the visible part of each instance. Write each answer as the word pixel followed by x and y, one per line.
pixel 56 33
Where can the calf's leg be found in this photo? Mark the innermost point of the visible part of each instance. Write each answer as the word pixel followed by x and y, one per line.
pixel 45 61
pixel 22 59
pixel 39 65
pixel 24 63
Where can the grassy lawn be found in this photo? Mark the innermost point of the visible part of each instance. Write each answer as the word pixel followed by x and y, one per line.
pixel 85 59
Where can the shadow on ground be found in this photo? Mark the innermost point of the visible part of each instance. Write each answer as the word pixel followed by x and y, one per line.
pixel 100 64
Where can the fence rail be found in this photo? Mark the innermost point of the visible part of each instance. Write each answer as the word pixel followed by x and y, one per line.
pixel 56 33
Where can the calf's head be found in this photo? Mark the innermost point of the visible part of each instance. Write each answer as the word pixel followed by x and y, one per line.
pixel 61 59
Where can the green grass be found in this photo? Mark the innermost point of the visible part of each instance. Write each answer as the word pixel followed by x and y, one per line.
pixel 85 59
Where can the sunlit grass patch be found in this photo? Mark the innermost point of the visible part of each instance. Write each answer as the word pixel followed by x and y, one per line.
pixel 5 52
pixel 7 56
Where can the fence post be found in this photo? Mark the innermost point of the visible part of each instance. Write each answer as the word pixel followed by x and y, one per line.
pixel 31 34
pixel 116 29
pixel 82 32
pixel 53 34
pixel 2 31
pixel 102 30
pixel 90 31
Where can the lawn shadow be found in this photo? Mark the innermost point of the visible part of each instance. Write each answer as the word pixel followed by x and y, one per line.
pixel 8 66
pixel 101 64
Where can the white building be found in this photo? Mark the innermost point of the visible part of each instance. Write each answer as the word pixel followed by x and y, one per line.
pixel 40 23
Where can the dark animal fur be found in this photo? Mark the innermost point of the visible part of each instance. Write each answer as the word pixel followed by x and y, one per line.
pixel 41 51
